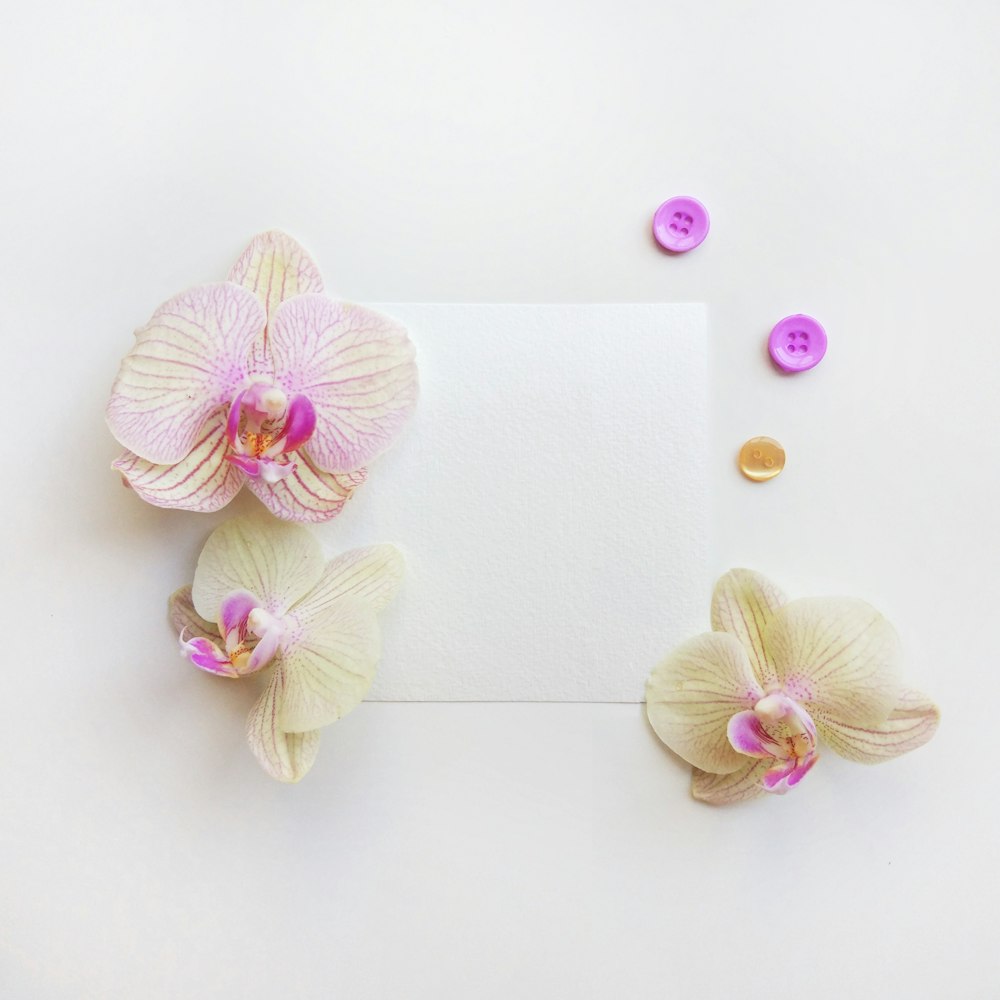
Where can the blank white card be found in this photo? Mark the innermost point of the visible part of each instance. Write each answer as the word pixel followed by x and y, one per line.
pixel 550 497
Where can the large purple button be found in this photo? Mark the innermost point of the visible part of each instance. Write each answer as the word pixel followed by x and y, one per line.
pixel 797 343
pixel 680 224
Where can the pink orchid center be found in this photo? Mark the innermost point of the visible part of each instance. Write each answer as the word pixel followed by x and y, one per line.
pixel 779 729
pixel 251 637
pixel 264 424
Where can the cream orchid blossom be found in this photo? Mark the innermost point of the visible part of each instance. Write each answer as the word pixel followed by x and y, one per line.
pixel 261 380
pixel 748 703
pixel 279 607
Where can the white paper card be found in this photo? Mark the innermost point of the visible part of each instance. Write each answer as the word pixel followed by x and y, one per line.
pixel 550 497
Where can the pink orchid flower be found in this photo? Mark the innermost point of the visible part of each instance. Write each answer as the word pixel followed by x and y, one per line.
pixel 261 380
pixel 305 625
pixel 749 703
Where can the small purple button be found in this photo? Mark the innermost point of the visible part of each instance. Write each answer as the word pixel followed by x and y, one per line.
pixel 680 224
pixel 797 343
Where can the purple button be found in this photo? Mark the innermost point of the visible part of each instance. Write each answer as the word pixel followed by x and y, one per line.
pixel 797 343
pixel 680 224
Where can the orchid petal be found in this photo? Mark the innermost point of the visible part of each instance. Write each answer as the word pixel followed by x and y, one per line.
pixel 183 617
pixel 692 695
pixel 274 267
pixel 743 604
pixel 203 481
pixel 912 722
pixel 838 658
pixel 285 756
pixel 725 789
pixel 372 575
pixel 308 494
pixel 187 361
pixel 329 665
pixel 277 562
pixel 357 368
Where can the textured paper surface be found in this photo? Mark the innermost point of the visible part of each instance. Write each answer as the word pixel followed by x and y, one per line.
pixel 550 497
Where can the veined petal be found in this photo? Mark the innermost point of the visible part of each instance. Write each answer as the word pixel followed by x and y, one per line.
pixel 274 267
pixel 371 574
pixel 357 368
pixel 277 562
pixel 183 617
pixel 725 789
pixel 329 664
pixel 911 724
pixel 202 481
pixel 838 658
pixel 308 494
pixel 285 756
pixel 187 361
pixel 743 604
pixel 692 695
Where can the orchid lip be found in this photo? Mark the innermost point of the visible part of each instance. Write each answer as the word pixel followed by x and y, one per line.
pixel 781 778
pixel 273 472
pixel 205 655
pixel 778 729
pixel 255 440
pixel 252 637
pixel 250 466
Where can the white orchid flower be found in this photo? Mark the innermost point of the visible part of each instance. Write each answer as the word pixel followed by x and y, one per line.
pixel 260 380
pixel 749 704
pixel 279 607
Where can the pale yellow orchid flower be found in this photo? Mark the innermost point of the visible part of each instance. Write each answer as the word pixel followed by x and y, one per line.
pixel 280 607
pixel 750 703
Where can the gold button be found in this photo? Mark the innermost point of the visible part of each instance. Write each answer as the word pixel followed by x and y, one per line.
pixel 761 458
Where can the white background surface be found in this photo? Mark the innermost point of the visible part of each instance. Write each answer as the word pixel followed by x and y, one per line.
pixel 556 453
pixel 456 152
